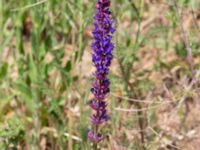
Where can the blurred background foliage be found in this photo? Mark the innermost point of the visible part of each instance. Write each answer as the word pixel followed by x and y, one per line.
pixel 46 75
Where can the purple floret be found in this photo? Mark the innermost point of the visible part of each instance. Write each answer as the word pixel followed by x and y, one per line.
pixel 94 138
pixel 101 56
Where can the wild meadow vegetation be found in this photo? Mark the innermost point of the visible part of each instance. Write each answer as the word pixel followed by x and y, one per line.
pixel 46 75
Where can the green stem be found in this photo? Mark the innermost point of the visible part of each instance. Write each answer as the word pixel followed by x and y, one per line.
pixel 1 25
pixel 95 146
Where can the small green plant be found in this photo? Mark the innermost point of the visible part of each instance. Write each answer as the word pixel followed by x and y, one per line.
pixel 12 133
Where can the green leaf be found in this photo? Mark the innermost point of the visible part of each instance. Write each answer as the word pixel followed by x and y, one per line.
pixel 68 66
pixel 181 50
pixel 33 69
pixel 26 94
pixel 3 70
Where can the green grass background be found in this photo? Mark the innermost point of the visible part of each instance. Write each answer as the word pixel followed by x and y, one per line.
pixel 46 71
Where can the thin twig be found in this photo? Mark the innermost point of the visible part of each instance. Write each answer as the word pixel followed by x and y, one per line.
pixel 73 137
pixel 148 101
pixel 29 6
pixel 161 137
pixel 139 110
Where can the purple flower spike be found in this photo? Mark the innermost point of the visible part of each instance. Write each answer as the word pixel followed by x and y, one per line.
pixel 101 57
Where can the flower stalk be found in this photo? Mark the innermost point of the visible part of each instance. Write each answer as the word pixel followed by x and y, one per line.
pixel 102 48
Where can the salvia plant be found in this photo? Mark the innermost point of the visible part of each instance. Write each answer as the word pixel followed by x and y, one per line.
pixel 101 56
